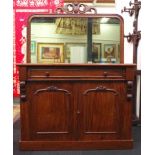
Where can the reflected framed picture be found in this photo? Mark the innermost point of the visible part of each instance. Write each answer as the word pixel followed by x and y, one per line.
pixel 110 53
pixel 69 46
pixel 118 51
pixel 33 47
pixel 96 52
pixel 50 52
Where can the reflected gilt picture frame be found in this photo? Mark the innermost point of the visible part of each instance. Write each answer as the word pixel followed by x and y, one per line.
pixel 109 53
pixel 50 52
pixel 118 51
pixel 96 52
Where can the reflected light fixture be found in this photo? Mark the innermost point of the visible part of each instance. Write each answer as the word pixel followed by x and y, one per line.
pixel 104 20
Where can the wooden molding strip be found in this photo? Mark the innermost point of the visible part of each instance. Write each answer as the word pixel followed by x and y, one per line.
pixel 89 1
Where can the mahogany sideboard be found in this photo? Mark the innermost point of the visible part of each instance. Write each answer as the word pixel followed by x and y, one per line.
pixel 76 106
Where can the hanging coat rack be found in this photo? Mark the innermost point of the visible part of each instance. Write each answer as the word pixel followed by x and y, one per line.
pixel 134 37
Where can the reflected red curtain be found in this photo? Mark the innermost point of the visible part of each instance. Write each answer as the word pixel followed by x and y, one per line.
pixel 22 9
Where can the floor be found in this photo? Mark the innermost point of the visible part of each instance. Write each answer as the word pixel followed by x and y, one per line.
pixel 16 112
pixel 135 151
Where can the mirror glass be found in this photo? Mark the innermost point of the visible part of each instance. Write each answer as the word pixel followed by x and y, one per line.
pixel 75 40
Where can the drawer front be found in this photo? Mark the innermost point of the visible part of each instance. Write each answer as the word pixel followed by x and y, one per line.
pixel 75 73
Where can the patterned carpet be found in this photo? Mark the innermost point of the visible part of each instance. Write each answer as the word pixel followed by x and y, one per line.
pixel 16 112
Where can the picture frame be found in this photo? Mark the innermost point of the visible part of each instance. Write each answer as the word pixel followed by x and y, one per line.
pixel 96 52
pixel 119 51
pixel 68 47
pixel 109 54
pixel 50 52
pixel 33 47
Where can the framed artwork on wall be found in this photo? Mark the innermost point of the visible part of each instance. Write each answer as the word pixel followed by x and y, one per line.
pixel 96 52
pixel 109 53
pixel 50 52
pixel 118 51
pixel 69 46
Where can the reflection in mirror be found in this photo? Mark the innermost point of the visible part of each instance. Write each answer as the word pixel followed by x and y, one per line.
pixel 75 40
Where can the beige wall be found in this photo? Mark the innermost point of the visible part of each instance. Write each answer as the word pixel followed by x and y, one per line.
pixel 45 32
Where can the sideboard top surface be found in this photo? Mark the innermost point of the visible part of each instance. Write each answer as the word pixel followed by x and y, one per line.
pixel 84 65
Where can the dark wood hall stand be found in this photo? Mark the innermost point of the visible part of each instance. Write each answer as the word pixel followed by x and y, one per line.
pixel 135 38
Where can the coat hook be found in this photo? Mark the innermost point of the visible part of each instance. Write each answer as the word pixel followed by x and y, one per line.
pixel 134 37
pixel 135 3
pixel 129 10
pixel 129 37
pixel 135 9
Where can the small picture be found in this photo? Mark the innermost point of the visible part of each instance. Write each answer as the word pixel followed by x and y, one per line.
pixel 109 52
pixel 50 53
pixel 96 52
pixel 69 46
pixel 33 47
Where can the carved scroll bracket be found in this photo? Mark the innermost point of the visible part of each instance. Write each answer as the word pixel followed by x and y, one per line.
pixel 23 91
pixel 129 90
pixel 76 8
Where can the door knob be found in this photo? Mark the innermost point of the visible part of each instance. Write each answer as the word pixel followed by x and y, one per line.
pixel 78 112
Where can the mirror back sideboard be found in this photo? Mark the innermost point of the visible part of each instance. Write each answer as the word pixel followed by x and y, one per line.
pixel 76 92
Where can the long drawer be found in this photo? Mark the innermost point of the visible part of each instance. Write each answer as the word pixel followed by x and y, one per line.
pixel 35 73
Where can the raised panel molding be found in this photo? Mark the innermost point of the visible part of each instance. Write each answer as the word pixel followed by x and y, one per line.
pixel 99 110
pixel 23 91
pixel 66 107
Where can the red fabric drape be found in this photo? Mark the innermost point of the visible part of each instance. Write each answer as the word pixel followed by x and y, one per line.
pixel 22 9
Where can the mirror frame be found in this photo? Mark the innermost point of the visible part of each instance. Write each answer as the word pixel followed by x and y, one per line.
pixel 28 54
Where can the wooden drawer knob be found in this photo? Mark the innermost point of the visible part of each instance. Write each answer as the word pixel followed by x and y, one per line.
pixel 105 73
pixel 78 112
pixel 47 73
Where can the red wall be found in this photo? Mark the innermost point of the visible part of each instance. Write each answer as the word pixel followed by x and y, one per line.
pixel 22 9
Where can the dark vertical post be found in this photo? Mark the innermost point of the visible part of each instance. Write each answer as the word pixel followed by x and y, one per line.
pixel 134 37
pixel 89 40
pixel 135 54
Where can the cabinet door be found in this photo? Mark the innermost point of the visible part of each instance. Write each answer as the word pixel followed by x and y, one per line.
pixel 51 110
pixel 100 106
